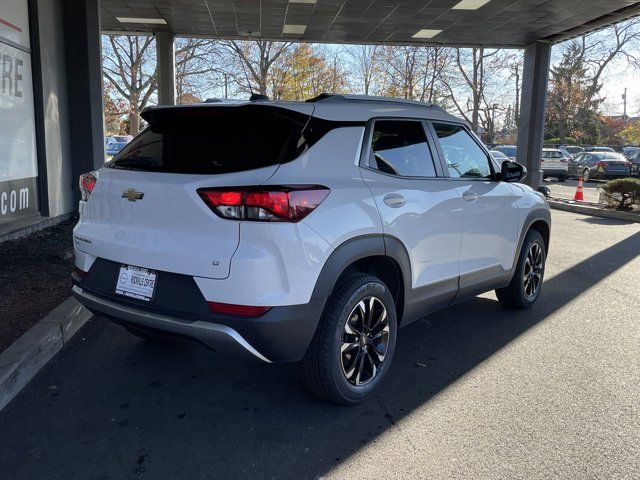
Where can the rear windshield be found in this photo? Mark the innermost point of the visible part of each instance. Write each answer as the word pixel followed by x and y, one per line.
pixel 552 154
pixel 214 140
pixel 607 156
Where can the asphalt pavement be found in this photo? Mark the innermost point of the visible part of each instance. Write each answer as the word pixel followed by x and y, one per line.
pixel 567 189
pixel 476 391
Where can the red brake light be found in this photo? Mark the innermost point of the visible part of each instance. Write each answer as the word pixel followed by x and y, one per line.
pixel 241 310
pixel 87 182
pixel 266 204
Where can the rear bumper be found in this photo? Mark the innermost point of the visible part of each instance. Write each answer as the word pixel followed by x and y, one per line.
pixel 282 334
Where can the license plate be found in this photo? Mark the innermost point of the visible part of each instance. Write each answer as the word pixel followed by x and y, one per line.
pixel 136 282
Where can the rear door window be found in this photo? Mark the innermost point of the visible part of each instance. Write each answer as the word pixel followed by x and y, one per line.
pixel 399 147
pixel 215 140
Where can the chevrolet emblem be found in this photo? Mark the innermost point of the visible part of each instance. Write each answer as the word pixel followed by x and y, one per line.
pixel 132 195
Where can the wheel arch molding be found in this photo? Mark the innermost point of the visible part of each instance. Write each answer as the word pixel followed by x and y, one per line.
pixel 386 256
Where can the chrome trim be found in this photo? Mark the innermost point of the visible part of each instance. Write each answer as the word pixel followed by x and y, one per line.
pixel 157 320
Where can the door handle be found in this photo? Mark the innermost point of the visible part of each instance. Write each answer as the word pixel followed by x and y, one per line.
pixel 469 196
pixel 394 200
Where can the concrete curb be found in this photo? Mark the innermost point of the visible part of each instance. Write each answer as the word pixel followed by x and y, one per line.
pixel 26 356
pixel 594 211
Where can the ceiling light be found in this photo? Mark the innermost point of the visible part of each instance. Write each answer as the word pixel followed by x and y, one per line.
pixel 294 29
pixel 426 33
pixel 157 21
pixel 469 4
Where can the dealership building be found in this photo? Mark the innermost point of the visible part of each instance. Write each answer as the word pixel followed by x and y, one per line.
pixel 51 122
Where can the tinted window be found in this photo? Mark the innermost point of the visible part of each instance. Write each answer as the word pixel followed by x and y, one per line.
pixel 463 155
pixel 552 155
pixel 400 148
pixel 508 151
pixel 214 140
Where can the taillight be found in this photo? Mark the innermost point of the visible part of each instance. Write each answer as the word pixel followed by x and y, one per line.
pixel 264 204
pixel 87 182
pixel 600 164
pixel 240 310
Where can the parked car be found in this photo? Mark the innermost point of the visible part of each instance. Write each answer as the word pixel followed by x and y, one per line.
pixel 498 156
pixel 565 153
pixel 599 149
pixel 572 150
pixel 628 152
pixel 272 229
pixel 634 159
pixel 554 164
pixel 509 150
pixel 603 165
pixel 116 143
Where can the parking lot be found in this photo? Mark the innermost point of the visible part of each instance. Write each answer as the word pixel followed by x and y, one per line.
pixel 475 391
pixel 567 189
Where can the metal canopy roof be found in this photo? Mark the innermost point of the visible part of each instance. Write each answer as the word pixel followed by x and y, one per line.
pixel 502 23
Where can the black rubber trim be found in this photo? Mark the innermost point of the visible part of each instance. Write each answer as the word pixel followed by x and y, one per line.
pixel 282 334
pixel 344 255
pixel 539 214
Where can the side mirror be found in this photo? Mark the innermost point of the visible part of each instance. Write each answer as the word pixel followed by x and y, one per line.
pixel 512 171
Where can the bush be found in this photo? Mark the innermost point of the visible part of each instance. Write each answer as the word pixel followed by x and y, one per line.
pixel 622 193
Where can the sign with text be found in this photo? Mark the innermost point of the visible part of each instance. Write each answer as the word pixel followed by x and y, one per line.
pixel 18 159
pixel 14 22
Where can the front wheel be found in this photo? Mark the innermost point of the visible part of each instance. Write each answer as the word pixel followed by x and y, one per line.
pixel 525 286
pixel 352 349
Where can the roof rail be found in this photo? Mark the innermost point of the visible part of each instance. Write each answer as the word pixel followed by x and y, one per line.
pixel 339 97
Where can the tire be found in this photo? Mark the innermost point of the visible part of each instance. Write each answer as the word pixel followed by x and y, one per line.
pixel 332 374
pixel 562 178
pixel 519 294
pixel 585 175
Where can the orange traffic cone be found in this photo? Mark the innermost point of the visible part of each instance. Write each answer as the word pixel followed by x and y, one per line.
pixel 578 197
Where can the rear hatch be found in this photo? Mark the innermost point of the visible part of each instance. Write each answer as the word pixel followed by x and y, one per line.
pixel 144 209
pixel 552 160
pixel 616 167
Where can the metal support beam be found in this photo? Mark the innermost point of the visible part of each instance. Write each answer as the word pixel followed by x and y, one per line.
pixel 166 51
pixel 83 50
pixel 535 76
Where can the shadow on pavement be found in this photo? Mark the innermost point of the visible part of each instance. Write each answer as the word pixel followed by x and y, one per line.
pixel 112 406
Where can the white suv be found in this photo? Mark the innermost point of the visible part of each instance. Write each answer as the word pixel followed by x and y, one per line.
pixel 304 231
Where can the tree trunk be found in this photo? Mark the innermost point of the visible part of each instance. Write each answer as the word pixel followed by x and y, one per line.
pixel 134 117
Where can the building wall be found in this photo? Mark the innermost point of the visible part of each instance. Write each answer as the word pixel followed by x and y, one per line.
pixel 55 108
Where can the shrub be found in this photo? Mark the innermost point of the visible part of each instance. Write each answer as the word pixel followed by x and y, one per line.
pixel 622 193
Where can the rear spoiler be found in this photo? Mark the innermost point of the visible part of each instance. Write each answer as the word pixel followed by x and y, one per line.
pixel 174 113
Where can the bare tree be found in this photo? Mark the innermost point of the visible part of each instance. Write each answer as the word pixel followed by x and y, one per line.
pixel 129 65
pixel 366 62
pixel 600 49
pixel 199 68
pixel 516 73
pixel 253 62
